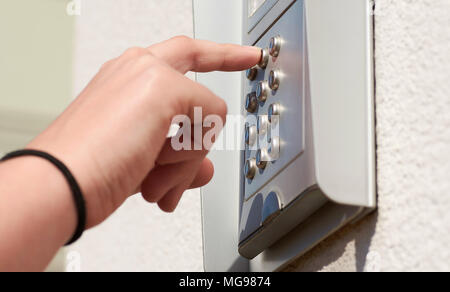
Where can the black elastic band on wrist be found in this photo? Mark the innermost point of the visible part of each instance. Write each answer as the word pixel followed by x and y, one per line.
pixel 75 188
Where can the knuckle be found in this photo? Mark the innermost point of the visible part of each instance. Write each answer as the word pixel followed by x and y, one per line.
pixel 146 60
pixel 107 65
pixel 134 52
pixel 158 72
pixel 161 78
pixel 187 43
pixel 182 40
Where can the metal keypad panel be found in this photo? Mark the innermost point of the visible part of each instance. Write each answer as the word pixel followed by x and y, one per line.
pixel 274 95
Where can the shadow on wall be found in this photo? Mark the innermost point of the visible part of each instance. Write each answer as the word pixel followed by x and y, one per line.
pixel 334 247
pixel 239 265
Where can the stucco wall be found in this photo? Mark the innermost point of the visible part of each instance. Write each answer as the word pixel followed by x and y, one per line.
pixel 139 237
pixel 410 232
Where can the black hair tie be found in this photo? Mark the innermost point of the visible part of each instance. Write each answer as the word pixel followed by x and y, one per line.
pixel 76 191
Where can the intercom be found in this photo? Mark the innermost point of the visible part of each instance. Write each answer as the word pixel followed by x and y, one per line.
pixel 307 163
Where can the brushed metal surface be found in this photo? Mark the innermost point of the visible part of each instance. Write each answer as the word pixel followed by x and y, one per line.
pixel 290 96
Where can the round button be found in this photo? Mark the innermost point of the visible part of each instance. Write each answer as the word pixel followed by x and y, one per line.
pixel 264 59
pixel 262 157
pixel 262 91
pixel 263 124
pixel 274 80
pixel 275 46
pixel 251 74
pixel 271 208
pixel 250 168
pixel 250 135
pixel 251 103
pixel 274 112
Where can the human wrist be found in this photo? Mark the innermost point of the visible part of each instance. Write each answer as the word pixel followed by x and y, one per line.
pixel 39 187
pixel 82 166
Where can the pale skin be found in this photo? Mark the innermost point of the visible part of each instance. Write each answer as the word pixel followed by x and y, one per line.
pixel 113 138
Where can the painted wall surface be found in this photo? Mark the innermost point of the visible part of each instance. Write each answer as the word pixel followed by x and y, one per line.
pixel 139 237
pixel 35 68
pixel 410 231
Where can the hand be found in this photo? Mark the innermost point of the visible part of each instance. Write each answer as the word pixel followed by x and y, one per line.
pixel 113 136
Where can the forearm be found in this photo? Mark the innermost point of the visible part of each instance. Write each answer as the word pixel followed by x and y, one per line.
pixel 114 140
pixel 37 214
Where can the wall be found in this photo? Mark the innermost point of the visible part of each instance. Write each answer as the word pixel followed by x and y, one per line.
pixel 410 231
pixel 35 68
pixel 139 237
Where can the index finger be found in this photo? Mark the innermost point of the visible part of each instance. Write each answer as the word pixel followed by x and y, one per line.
pixel 186 54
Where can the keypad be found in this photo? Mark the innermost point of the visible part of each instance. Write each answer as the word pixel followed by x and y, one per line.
pixel 263 90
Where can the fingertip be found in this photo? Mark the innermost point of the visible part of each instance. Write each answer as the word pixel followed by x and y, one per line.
pixel 204 175
pixel 255 51
pixel 170 202
pixel 166 209
pixel 210 167
pixel 252 55
pixel 149 198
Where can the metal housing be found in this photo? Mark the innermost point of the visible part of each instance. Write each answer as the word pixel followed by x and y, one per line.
pixel 337 166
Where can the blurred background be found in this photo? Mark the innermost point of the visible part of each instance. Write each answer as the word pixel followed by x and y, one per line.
pixel 50 49
pixel 36 76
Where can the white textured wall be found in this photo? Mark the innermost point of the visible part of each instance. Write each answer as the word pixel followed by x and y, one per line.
pixel 139 237
pixel 411 231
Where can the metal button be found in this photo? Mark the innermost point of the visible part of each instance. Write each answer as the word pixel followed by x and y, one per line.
pixel 262 91
pixel 275 46
pixel 250 135
pixel 264 59
pixel 251 74
pixel 250 168
pixel 263 125
pixel 251 102
pixel 274 79
pixel 262 157
pixel 274 113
